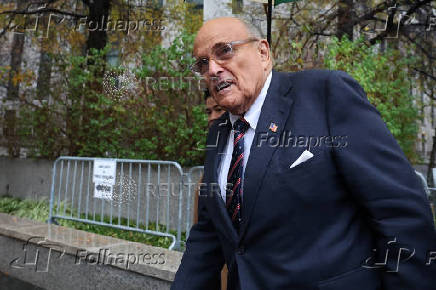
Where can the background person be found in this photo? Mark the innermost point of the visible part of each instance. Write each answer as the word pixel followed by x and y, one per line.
pixel 213 112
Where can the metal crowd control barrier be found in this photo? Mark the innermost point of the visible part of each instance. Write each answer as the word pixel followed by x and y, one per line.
pixel 192 190
pixel 430 191
pixel 128 197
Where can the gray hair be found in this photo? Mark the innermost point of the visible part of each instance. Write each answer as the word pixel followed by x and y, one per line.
pixel 253 31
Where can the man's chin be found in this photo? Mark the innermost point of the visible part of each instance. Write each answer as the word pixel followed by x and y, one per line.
pixel 229 101
pixel 234 108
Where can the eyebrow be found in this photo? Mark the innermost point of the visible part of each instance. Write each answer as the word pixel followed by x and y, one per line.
pixel 216 45
pixel 219 44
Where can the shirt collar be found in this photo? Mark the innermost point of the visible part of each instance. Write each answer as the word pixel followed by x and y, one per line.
pixel 253 113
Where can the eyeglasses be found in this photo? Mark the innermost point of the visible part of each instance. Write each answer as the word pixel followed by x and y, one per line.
pixel 220 52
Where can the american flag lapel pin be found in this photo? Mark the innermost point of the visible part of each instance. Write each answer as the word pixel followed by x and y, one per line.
pixel 273 127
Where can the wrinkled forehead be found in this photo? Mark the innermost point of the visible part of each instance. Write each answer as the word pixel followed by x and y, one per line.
pixel 218 31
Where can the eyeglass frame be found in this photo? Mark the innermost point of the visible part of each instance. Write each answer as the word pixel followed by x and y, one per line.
pixel 228 44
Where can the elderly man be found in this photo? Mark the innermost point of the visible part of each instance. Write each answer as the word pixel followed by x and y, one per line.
pixel 305 187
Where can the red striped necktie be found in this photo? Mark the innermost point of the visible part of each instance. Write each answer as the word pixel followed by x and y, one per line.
pixel 234 177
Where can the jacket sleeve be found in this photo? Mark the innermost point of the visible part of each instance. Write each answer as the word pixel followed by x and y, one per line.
pixel 203 259
pixel 384 184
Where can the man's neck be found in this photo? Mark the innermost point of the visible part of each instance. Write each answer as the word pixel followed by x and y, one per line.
pixel 242 110
pixel 253 111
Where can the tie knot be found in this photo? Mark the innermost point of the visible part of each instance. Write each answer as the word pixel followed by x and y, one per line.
pixel 241 125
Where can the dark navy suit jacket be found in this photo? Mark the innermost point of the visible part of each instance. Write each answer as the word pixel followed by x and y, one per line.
pixel 328 223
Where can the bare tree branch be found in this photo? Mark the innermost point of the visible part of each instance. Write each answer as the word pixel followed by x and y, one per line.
pixel 43 10
pixel 8 27
pixel 428 54
pixel 412 9
pixel 323 33
pixel 425 73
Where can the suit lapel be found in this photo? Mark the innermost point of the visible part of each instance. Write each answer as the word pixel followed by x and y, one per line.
pixel 275 109
pixel 216 147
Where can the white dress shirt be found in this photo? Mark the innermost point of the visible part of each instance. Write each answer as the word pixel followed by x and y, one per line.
pixel 252 116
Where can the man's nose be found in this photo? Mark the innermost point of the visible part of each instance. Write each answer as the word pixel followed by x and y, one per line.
pixel 214 68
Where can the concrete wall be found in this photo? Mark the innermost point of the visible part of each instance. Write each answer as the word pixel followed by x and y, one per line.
pixel 25 178
pixel 58 258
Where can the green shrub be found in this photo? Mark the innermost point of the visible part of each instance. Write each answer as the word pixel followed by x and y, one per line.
pixel 384 77
pixel 85 118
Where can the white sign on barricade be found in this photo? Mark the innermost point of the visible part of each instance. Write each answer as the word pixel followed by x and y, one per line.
pixel 104 177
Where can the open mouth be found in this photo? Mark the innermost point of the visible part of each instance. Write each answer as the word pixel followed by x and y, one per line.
pixel 223 85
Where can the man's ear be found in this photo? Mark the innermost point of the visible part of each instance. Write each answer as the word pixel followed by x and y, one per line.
pixel 264 50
